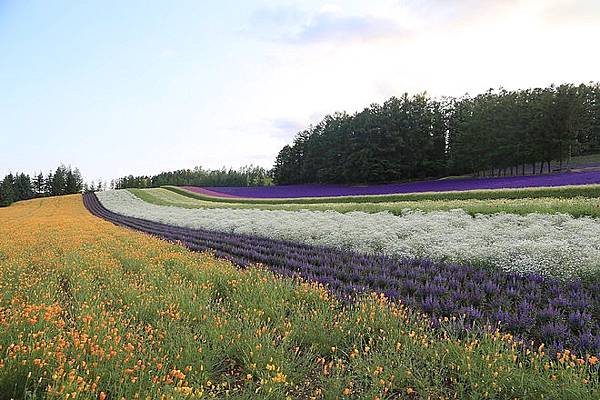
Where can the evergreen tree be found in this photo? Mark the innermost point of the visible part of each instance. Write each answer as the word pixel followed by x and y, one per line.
pixel 38 184
pixel 496 133
pixel 7 193
pixel 59 181
pixel 48 184
pixel 73 181
pixel 22 187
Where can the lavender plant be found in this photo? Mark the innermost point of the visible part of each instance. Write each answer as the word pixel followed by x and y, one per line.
pixel 555 245
pixel 295 191
pixel 545 310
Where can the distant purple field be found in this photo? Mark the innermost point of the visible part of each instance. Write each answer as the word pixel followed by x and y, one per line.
pixel 442 185
pixel 208 192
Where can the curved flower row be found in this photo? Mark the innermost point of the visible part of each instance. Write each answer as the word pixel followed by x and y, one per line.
pixel 553 245
pixel 559 314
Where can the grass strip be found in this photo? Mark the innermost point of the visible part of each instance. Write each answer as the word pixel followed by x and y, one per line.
pixel 491 194
pixel 576 206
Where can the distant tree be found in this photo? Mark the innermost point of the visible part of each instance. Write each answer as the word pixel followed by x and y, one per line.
pixel 73 181
pixel 495 133
pixel 22 187
pixel 38 184
pixel 245 176
pixel 7 193
pixel 48 184
pixel 59 183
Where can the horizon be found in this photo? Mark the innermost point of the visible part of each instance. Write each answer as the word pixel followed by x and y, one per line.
pixel 128 89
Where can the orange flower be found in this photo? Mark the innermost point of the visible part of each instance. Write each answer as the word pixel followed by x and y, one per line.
pixel 593 360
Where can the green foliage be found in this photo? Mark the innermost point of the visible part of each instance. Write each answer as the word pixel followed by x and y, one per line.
pixel 64 180
pixel 245 176
pixel 7 191
pixel 496 133
pixel 402 139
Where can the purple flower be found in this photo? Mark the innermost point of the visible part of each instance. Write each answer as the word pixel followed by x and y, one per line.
pixel 562 315
pixel 441 185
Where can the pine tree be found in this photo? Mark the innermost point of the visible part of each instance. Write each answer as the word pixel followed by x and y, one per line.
pixel 49 184
pixel 73 181
pixel 7 193
pixel 22 187
pixel 60 181
pixel 38 184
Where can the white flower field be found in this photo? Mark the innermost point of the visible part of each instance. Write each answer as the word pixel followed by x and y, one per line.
pixel 554 245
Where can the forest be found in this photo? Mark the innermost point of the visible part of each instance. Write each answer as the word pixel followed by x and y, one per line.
pixel 20 186
pixel 245 176
pixel 497 133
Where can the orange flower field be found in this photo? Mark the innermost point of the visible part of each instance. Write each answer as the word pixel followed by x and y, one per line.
pixel 89 310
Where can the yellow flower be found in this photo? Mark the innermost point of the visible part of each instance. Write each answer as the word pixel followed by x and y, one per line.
pixel 279 378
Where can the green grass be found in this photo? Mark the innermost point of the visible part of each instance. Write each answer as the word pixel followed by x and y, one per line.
pixel 587 159
pixel 576 206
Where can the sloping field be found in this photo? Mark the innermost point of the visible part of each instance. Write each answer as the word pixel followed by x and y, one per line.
pixel 89 310
pixel 490 194
pixel 575 206
pixel 552 245
pixel 534 307
pixel 441 185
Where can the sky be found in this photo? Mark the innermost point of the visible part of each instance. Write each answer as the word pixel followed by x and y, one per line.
pixel 138 87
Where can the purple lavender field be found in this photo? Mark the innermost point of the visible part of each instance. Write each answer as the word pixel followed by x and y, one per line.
pixel 440 185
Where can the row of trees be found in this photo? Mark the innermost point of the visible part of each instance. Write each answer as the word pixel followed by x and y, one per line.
pixel 20 186
pixel 245 176
pixel 499 132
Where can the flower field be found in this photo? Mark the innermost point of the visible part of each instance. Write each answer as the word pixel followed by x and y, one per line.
pixel 531 306
pixel 441 185
pixel 578 206
pixel 567 191
pixel 553 245
pixel 89 310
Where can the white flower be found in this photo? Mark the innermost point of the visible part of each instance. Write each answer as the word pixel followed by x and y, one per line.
pixel 555 245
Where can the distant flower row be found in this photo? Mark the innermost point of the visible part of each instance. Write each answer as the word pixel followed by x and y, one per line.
pixel 440 185
pixel 561 315
pixel 556 245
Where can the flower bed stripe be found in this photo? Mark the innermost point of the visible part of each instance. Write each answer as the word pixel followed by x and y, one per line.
pixel 562 315
pixel 553 245
pixel 321 190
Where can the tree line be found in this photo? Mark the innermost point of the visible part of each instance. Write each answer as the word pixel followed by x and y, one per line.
pixel 499 132
pixel 245 176
pixel 20 186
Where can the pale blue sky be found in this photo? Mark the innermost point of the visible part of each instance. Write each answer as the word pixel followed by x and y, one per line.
pixel 119 87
